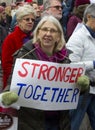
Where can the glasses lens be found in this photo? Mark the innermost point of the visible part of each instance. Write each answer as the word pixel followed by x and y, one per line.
pixel 29 19
pixel 92 16
pixel 50 30
pixel 58 7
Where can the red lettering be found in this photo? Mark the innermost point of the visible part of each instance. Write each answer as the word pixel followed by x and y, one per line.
pixel 80 72
pixel 34 68
pixel 67 73
pixel 73 75
pixel 51 73
pixel 59 74
pixel 23 74
pixel 43 71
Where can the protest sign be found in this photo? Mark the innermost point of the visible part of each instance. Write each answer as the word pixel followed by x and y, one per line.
pixel 8 119
pixel 46 85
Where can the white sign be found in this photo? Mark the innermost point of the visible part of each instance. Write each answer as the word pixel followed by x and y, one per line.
pixel 7 120
pixel 46 85
pixel 15 124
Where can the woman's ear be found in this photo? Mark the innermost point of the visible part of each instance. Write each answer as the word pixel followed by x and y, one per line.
pixel 88 16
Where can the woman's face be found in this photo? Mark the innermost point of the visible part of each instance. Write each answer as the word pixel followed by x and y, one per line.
pixel 26 23
pixel 48 35
pixel 3 15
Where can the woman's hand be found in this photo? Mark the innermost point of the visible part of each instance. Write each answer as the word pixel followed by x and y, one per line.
pixel 8 98
pixel 83 83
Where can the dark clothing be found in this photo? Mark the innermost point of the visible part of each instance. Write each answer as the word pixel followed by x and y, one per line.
pixel 3 34
pixel 71 25
pixel 32 119
pixel 5 24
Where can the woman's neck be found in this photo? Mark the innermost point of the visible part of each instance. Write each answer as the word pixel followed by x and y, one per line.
pixel 48 51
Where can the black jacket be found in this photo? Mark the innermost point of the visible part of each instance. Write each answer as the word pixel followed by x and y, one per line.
pixel 32 119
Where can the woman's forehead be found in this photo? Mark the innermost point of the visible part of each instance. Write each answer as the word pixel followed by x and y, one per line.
pixel 49 24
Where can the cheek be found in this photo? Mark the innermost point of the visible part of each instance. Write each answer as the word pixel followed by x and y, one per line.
pixel 22 25
pixel 40 34
pixel 56 37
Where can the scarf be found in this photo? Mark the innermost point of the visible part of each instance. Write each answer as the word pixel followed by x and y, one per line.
pixel 56 57
pixel 91 31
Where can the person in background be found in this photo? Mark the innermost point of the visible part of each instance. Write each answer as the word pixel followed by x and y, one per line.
pixel 3 4
pixel 76 16
pixel 3 29
pixel 8 15
pixel 50 7
pixel 54 8
pixel 22 33
pixel 37 9
pixel 13 6
pixel 48 44
pixel 67 9
pixel 41 8
pixel 3 34
pixel 3 19
pixel 82 44
pixel 18 3
pixel 38 13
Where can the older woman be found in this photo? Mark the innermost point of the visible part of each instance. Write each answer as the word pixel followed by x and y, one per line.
pixel 14 41
pixel 48 45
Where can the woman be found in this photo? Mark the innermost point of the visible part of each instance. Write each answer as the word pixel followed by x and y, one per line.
pixel 48 45
pixel 14 41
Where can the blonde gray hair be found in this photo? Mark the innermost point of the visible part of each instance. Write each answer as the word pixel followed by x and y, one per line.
pixel 25 10
pixel 90 9
pixel 53 20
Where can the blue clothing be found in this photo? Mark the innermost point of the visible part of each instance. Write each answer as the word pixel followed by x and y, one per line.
pixel 91 31
pixel 67 9
pixel 84 106
pixel 13 23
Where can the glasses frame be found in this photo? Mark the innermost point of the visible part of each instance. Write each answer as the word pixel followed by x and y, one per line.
pixel 51 30
pixel 92 16
pixel 28 19
pixel 57 7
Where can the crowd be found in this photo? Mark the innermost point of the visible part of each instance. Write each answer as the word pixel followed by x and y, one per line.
pixel 60 31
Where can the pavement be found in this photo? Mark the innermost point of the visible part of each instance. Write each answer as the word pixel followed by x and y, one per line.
pixel 85 124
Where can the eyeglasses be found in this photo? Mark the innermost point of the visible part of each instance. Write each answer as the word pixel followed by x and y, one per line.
pixel 51 30
pixel 92 16
pixel 57 7
pixel 29 19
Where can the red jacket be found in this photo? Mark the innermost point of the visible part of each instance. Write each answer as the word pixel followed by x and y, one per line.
pixel 28 1
pixel 12 43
